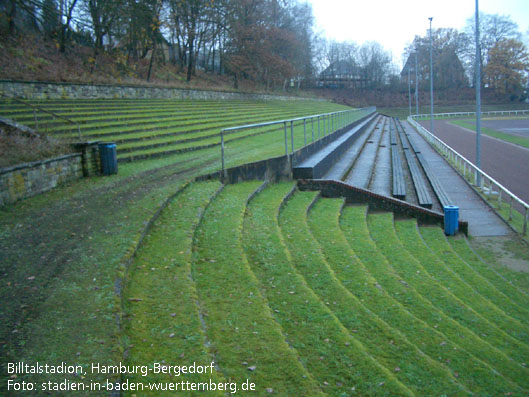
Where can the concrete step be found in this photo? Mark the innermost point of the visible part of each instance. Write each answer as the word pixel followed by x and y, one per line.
pixel 381 181
pixel 340 169
pixel 317 165
pixel 361 172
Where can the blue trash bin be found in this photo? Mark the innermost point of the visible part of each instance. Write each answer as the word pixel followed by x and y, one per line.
pixel 451 219
pixel 109 158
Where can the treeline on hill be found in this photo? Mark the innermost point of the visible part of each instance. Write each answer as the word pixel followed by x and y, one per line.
pixel 504 60
pixel 268 43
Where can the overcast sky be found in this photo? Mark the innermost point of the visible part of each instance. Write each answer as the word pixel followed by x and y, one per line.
pixel 394 23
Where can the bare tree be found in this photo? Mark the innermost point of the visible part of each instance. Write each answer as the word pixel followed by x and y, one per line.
pixel 375 63
pixel 448 47
pixel 493 28
pixel 66 8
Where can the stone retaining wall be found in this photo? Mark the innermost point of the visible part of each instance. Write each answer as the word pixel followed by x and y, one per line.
pixel 26 180
pixel 44 90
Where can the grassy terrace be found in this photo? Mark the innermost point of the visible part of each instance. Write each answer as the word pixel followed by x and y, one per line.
pixel 152 299
pixel 326 346
pixel 509 282
pixel 153 128
pixel 302 295
pixel 295 293
pixel 71 244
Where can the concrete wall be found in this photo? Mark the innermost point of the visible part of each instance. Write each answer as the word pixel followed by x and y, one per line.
pixel 29 179
pixel 278 168
pixel 376 202
pixel 43 90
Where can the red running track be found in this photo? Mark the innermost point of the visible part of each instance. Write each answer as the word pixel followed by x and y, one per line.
pixel 505 162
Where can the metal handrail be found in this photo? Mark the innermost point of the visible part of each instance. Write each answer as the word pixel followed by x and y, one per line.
pixel 330 117
pixel 461 114
pixel 467 164
pixel 43 110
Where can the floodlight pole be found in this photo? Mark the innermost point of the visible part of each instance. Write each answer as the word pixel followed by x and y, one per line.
pixel 409 88
pixel 478 98
pixel 431 78
pixel 416 85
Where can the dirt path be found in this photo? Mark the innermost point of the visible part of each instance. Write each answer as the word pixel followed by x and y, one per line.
pixel 505 162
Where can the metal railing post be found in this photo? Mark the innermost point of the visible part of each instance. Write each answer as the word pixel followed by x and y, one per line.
pixel 525 220
pixel 292 136
pixel 318 127
pixel 312 125
pixel 304 132
pixel 286 140
pixel 222 151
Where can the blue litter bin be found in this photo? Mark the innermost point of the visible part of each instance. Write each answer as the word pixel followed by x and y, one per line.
pixel 451 219
pixel 109 158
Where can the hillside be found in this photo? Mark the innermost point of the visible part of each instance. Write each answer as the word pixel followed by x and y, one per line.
pixel 31 57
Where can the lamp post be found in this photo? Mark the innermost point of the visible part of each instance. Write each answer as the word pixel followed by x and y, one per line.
pixel 409 88
pixel 416 85
pixel 478 98
pixel 431 78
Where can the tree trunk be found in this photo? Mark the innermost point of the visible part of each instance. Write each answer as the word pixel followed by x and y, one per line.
pixel 11 14
pixel 190 63
pixel 152 60
pixel 62 39
pixel 213 60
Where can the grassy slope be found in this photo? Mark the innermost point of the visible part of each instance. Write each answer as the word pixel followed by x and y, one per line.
pixel 69 263
pixel 147 128
pixel 329 350
pixel 493 268
pixel 93 255
pixel 68 245
pixel 409 364
pixel 511 342
pixel 61 263
pixel 246 340
pixel 355 274
pixel 474 286
pixel 161 318
pixel 455 335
